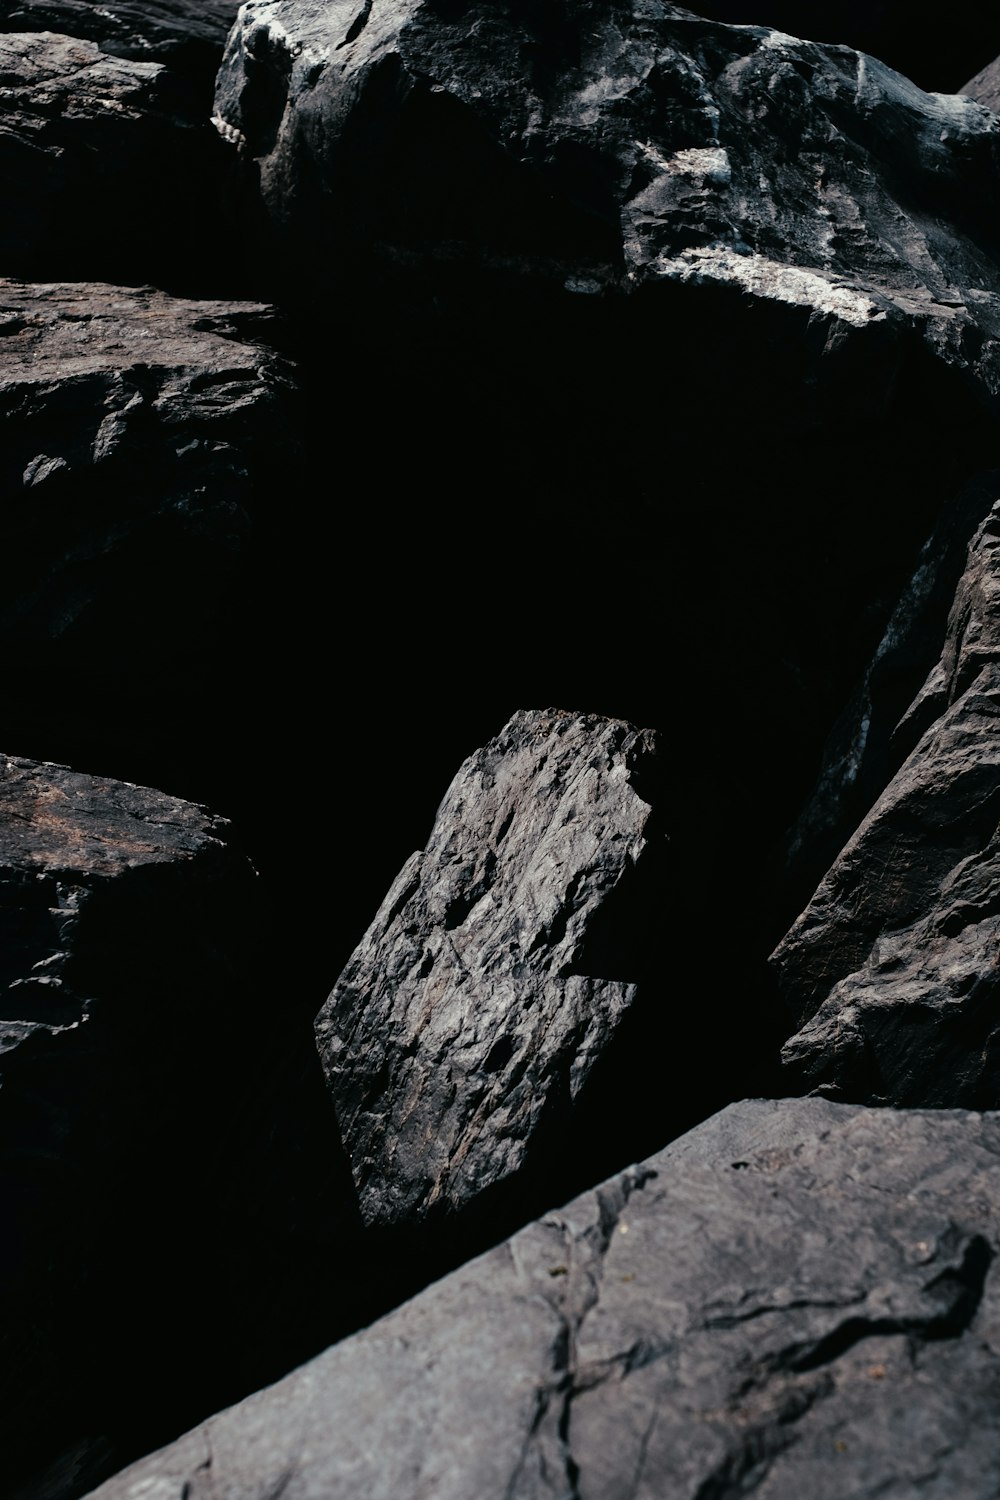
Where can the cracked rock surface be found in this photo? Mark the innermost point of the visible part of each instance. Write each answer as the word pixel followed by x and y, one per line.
pixel 796 1298
pixel 890 972
pixel 501 967
pixel 111 161
pixel 619 148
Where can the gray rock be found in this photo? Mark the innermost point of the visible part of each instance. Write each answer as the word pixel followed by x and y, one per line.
pixel 890 971
pixel 985 86
pixel 187 35
pixel 498 974
pixel 796 1299
pixel 109 165
pixel 613 149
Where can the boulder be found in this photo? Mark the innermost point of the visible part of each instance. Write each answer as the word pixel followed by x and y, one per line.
pixel 110 167
pixel 186 35
pixel 985 87
pixel 501 975
pixel 890 974
pixel 594 151
pixel 796 1299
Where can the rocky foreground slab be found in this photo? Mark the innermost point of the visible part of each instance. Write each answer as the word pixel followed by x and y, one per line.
pixel 797 1298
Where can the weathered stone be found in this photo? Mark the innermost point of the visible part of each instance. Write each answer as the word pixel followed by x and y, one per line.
pixel 874 735
pixel 128 933
pixel 985 86
pixel 796 1299
pixel 109 165
pixel 890 972
pixel 141 436
pixel 186 35
pixel 935 56
pixel 496 978
pixel 595 149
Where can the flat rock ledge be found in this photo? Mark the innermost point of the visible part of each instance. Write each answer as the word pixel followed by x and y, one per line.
pixel 797 1298
pixel 501 967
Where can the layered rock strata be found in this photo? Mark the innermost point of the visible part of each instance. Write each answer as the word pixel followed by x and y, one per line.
pixel 890 972
pixel 497 980
pixel 796 1298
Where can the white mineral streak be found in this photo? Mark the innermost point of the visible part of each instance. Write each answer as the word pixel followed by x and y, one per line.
pixel 767 278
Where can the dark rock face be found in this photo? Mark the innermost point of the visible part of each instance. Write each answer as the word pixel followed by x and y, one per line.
pixel 129 931
pixel 985 86
pixel 890 971
pixel 797 1298
pixel 496 977
pixel 185 35
pixel 596 149
pixel 140 433
pixel 112 163
pixel 935 57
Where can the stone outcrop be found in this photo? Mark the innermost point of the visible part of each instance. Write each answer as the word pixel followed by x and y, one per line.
pixel 130 931
pixel 598 150
pixel 796 1299
pixel 143 436
pixel 185 35
pixel 111 162
pixel 934 56
pixel 985 87
pixel 890 972
pixel 501 970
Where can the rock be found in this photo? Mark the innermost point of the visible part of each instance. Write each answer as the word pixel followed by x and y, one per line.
pixel 890 971
pixel 500 972
pixel 798 1298
pixel 186 35
pixel 600 150
pixel 141 436
pixel 985 86
pixel 934 56
pixel 128 929
pixel 874 734
pixel 109 164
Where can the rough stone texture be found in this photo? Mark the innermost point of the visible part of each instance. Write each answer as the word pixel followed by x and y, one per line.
pixel 985 86
pixel 497 975
pixel 890 972
pixel 937 56
pixel 874 735
pixel 109 165
pixel 604 149
pixel 142 436
pixel 127 932
pixel 796 1299
pixel 186 35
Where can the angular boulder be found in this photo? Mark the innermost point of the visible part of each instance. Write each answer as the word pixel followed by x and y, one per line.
pixel 798 1298
pixel 890 972
pixel 110 167
pixel 501 974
